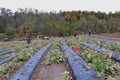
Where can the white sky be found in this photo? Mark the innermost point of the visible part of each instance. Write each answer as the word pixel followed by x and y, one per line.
pixel 64 5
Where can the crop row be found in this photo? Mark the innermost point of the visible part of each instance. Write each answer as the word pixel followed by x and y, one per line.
pixel 4 53
pixel 114 39
pixel 110 46
pixel 11 57
pixel 5 50
pixel 103 40
pixel 6 46
pixel 5 57
pixel 102 63
pixel 25 72
pixel 9 67
pixel 54 56
pixel 77 65
pixel 114 56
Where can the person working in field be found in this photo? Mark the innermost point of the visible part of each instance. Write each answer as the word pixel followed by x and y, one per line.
pixel 28 40
pixel 89 32
pixel 74 34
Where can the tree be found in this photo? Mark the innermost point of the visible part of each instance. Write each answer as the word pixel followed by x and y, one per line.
pixel 102 26
pixel 26 29
pixel 113 25
pixel 9 32
pixel 82 24
pixel 92 23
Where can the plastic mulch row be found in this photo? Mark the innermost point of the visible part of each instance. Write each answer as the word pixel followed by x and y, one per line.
pixel 27 69
pixel 0 50
pixel 115 56
pixel 103 40
pixel 76 63
pixel 4 53
pixel 8 58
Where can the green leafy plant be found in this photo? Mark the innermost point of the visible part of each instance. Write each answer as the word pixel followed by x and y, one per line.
pixel 27 46
pixel 66 76
pixel 54 57
pixel 112 47
pixel 24 57
pixel 17 49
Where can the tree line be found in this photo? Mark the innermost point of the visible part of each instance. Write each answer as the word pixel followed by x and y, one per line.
pixel 27 22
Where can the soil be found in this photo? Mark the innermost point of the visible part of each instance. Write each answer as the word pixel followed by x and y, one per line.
pixel 115 35
pixel 112 36
pixel 51 72
pixel 48 72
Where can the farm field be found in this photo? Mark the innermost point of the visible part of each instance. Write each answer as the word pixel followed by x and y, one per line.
pixel 21 52
pixel 96 58
pixel 40 40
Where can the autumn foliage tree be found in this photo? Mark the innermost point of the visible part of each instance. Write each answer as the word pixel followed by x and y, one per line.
pixel 32 21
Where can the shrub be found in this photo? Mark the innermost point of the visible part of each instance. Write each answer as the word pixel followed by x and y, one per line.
pixel 2 35
pixel 9 32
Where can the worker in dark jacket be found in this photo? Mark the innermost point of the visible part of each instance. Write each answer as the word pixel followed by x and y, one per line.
pixel 89 32
pixel 74 34
pixel 28 40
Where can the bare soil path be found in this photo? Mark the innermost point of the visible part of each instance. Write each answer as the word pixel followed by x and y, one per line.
pixel 51 72
pixel 115 35
pixel 112 36
pixel 48 72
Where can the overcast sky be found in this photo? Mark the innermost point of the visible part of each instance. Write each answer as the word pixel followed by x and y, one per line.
pixel 64 5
